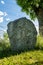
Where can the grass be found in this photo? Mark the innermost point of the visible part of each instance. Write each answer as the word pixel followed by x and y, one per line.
pixel 32 57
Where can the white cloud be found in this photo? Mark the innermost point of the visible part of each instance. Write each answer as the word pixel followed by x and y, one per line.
pixel 2 2
pixel 7 19
pixel 5 14
pixel 5 30
pixel 1 13
pixel 1 19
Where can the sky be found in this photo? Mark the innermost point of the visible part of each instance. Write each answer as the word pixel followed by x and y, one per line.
pixel 9 11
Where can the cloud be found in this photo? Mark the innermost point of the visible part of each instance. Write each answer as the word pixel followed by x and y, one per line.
pixel 1 13
pixel 2 2
pixel 7 19
pixel 5 14
pixel 1 19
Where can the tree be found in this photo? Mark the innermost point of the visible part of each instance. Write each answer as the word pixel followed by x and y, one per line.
pixel 5 36
pixel 34 8
pixel 6 39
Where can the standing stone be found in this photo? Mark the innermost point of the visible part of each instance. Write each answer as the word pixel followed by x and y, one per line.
pixel 22 34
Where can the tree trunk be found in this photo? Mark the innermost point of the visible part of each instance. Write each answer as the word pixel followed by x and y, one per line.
pixel 40 19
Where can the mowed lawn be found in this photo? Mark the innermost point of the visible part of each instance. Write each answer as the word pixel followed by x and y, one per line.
pixel 34 57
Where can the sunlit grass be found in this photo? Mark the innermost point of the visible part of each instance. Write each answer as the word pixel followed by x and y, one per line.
pixel 31 57
pixel 26 58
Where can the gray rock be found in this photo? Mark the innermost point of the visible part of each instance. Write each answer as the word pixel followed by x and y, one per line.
pixel 22 34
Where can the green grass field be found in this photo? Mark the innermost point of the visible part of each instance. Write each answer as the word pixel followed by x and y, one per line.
pixel 31 57
pixel 34 57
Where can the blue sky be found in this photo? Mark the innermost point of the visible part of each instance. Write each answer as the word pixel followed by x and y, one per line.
pixel 9 11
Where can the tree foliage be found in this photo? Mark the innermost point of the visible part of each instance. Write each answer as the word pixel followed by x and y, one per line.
pixel 5 36
pixel 31 6
pixel 4 42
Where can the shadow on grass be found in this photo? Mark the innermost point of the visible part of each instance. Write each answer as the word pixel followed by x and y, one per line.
pixel 8 52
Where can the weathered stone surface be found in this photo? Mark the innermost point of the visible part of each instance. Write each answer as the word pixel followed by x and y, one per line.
pixel 22 34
